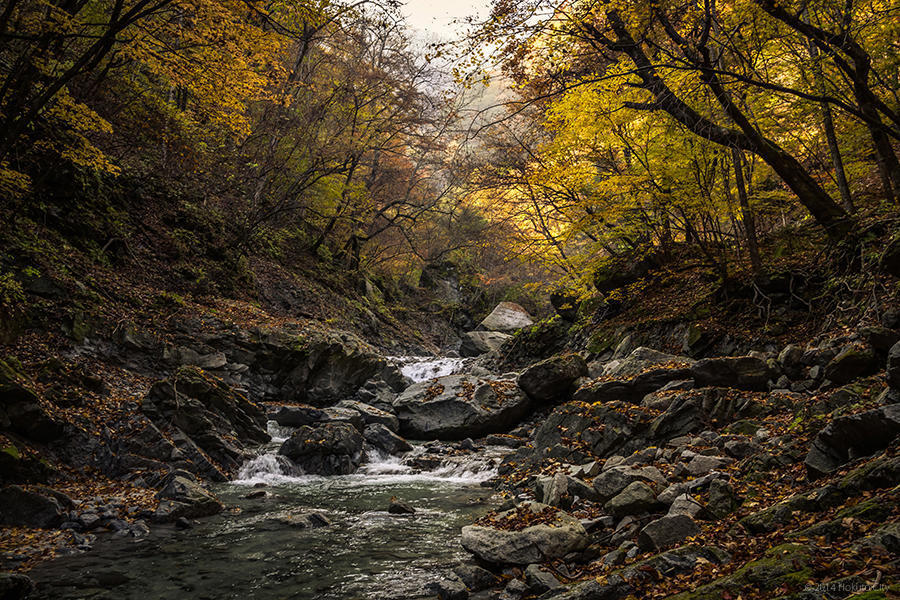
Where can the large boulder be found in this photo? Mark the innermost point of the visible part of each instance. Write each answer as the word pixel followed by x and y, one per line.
pixel 740 372
pixel 298 416
pixel 637 498
pixel 852 361
pixel 634 389
pixel 182 497
pixel 552 378
pixel 21 409
pixel 383 439
pixel 204 412
pixel 370 414
pixel 475 343
pixel 642 359
pixel 530 533
pixel 459 406
pixel 324 368
pixel 612 481
pixel 853 436
pixel 507 316
pixel 23 508
pixel 667 531
pixel 328 449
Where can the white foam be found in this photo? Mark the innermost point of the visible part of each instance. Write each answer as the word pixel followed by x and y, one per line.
pixel 419 369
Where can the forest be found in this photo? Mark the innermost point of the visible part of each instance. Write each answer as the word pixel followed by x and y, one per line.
pixel 576 299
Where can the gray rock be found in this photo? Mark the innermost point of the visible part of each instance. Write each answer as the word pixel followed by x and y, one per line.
pixel 552 378
pixel 702 464
pixel 637 498
pixel 507 316
pixel 613 588
pixel 852 436
pixel 385 440
pixel 329 449
pixel 23 508
pixel 540 581
pixel 723 499
pixel 687 505
pixel 642 359
pixel 612 481
pixel 475 578
pixel 450 588
pixel 298 416
pixel 182 497
pixel 399 507
pixel 370 414
pixel 460 406
pixel 475 343
pixel 558 536
pixel 740 372
pixel 667 531
pixel 791 358
pixel 741 448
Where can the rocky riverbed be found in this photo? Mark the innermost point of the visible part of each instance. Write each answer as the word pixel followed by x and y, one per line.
pixel 639 473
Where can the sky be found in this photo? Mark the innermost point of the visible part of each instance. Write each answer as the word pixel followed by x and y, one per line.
pixel 436 16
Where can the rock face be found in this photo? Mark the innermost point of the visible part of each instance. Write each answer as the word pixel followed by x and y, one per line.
pixel 553 535
pixel 475 343
pixel 507 316
pixel 455 407
pixel 552 378
pixel 202 412
pixel 740 372
pixel 329 449
pixel 22 508
pixel 853 436
pixel 183 498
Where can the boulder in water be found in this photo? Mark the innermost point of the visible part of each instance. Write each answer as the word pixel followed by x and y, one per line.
pixel 329 449
pixel 530 533
pixel 370 414
pixel 507 316
pixel 385 440
pixel 182 497
pixel 459 406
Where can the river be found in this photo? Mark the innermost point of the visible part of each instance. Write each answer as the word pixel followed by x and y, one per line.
pixel 257 549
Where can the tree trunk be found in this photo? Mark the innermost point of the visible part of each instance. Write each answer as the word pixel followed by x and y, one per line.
pixel 749 223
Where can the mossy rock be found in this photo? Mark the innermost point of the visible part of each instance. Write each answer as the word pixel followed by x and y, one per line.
pixel 784 565
pixel 744 427
pixel 873 510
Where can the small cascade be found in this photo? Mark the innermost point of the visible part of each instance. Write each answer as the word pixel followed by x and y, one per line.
pixel 420 368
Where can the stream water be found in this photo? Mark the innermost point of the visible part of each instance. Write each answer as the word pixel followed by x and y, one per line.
pixel 257 550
